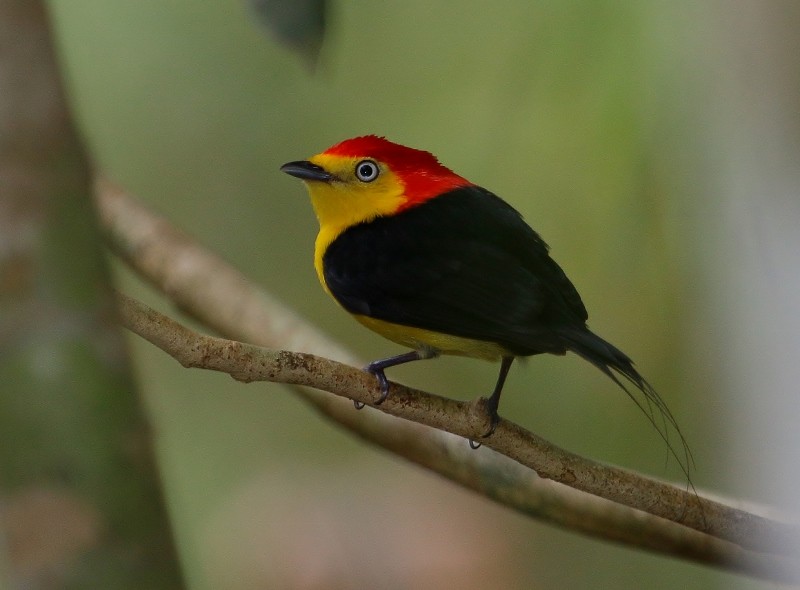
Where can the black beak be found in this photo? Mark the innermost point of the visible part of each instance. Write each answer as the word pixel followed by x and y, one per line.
pixel 305 170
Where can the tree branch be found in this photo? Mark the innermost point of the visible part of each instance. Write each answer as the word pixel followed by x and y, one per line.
pixel 180 267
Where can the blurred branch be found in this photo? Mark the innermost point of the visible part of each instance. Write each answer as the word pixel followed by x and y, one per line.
pixel 181 268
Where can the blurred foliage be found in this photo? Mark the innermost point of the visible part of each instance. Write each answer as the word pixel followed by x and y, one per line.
pixel 573 112
pixel 300 24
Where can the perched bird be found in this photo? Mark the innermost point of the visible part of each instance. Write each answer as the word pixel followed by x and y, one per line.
pixel 435 263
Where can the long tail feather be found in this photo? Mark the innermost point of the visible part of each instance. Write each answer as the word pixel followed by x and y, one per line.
pixel 606 357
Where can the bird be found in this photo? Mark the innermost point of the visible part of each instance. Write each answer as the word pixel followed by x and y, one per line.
pixel 442 266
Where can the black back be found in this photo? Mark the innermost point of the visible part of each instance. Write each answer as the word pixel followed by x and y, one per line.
pixel 464 263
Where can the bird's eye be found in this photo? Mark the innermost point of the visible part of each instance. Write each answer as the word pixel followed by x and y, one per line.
pixel 367 171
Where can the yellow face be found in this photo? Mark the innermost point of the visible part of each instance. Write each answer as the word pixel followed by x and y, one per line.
pixel 361 190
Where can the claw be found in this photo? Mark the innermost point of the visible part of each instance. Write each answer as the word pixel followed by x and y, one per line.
pixel 495 419
pixel 384 389
pixel 382 381
pixel 359 405
pixel 376 368
pixel 490 408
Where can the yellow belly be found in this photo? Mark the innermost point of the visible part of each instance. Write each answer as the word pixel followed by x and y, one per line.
pixel 417 338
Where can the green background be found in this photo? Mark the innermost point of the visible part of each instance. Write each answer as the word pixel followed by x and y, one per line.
pixel 587 116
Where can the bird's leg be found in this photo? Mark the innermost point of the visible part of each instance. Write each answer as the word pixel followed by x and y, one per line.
pixel 494 400
pixel 377 368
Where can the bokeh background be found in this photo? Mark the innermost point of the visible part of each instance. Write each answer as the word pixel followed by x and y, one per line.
pixel 654 145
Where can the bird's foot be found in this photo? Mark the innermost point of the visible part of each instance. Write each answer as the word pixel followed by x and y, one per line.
pixel 377 370
pixel 487 407
pixel 377 367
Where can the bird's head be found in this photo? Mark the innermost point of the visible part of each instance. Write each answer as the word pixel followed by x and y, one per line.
pixel 366 177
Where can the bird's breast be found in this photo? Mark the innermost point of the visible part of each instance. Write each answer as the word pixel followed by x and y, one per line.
pixel 419 339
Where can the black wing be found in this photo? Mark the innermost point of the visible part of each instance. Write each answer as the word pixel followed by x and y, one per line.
pixel 464 263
